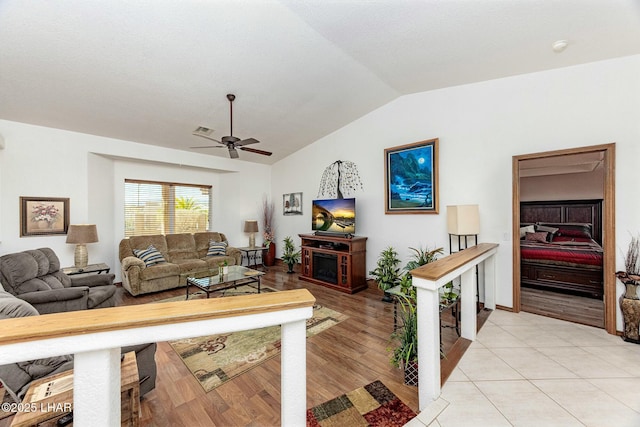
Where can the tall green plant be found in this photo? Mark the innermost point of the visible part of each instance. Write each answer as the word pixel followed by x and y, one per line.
pixel 290 256
pixel 387 273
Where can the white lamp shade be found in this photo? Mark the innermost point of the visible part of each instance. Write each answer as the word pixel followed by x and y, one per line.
pixel 463 220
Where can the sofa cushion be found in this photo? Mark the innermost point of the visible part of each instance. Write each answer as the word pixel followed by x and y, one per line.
pixel 203 238
pixel 150 256
pixel 194 265
pixel 160 270
pixel 100 296
pixel 217 248
pixel 181 246
pixel 143 242
pixel 31 271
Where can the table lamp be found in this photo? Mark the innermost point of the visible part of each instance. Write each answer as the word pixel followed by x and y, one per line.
pixel 81 234
pixel 251 226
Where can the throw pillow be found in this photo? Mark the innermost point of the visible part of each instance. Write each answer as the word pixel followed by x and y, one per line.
pixel 540 236
pixel 527 229
pixel 150 256
pixel 217 248
pixel 551 230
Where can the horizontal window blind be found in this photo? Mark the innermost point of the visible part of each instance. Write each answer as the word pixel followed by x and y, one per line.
pixel 153 207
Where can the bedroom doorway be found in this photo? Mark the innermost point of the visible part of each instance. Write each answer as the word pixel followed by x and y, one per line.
pixel 560 162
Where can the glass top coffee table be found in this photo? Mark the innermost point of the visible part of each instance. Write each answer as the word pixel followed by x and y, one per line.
pixel 237 275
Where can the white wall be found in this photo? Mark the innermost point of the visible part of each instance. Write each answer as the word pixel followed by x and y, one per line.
pixel 90 171
pixel 481 127
pixel 573 186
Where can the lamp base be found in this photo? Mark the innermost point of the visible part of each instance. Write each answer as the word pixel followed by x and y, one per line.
pixel 81 256
pixel 252 240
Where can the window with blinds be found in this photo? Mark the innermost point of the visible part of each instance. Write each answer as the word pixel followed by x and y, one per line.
pixel 165 207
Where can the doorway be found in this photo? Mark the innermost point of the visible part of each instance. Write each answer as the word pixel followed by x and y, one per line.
pixel 607 152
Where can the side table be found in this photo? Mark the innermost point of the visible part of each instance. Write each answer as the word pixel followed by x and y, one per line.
pixel 90 268
pixel 252 254
pixel 48 406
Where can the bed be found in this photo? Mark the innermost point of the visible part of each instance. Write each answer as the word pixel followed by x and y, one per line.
pixel 564 254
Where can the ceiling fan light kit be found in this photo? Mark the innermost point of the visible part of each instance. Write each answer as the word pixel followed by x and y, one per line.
pixel 230 141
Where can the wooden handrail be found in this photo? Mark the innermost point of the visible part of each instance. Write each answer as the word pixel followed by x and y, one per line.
pixel 443 266
pixel 56 325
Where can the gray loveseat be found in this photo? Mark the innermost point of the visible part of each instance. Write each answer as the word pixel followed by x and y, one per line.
pixel 35 277
pixel 16 377
pixel 182 254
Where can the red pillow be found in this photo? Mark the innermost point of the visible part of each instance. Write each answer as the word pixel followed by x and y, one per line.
pixel 539 236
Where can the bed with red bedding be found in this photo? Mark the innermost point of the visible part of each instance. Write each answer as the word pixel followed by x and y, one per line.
pixel 562 257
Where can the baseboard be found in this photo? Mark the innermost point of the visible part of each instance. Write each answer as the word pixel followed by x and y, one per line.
pixel 502 307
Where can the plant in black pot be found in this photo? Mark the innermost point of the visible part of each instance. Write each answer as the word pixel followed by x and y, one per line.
pixel 290 256
pixel 387 273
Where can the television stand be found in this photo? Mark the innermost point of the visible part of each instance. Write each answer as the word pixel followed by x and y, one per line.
pixel 332 234
pixel 337 261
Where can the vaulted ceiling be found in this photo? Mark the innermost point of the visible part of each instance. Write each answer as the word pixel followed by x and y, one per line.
pixel 152 71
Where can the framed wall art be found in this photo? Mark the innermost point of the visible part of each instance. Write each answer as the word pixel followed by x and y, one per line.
pixel 411 178
pixel 41 216
pixel 292 204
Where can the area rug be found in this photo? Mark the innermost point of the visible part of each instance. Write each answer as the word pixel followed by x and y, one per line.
pixel 216 359
pixel 372 405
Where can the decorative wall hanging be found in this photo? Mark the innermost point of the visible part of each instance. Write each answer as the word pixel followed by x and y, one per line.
pixel 411 178
pixel 292 204
pixel 41 216
pixel 340 178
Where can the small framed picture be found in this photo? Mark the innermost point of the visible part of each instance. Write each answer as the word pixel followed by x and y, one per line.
pixel 41 216
pixel 292 204
pixel 411 178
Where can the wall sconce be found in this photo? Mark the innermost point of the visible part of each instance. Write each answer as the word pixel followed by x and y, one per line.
pixel 81 234
pixel 251 226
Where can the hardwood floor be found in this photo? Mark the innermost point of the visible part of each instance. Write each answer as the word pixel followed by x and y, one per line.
pixel 573 308
pixel 340 359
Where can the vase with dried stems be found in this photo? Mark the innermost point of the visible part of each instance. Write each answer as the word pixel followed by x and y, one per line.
pixel 630 302
pixel 268 234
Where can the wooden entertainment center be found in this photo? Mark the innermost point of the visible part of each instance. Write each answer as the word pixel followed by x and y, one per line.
pixel 335 261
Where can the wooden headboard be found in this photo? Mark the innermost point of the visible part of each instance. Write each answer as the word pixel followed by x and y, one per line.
pixel 561 211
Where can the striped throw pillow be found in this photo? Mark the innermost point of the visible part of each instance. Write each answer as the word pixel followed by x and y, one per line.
pixel 217 248
pixel 150 256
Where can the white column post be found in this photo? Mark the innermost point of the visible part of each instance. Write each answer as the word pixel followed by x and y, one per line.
pixel 490 283
pixel 96 388
pixel 428 345
pixel 294 374
pixel 468 313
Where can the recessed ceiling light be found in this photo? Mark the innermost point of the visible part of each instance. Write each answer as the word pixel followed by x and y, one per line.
pixel 559 45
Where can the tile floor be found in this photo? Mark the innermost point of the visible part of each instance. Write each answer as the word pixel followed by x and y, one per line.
pixel 530 370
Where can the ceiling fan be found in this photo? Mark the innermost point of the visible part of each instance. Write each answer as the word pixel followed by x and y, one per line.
pixel 231 142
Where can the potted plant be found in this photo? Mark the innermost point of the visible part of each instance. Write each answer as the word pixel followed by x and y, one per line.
pixel 404 351
pixel 387 273
pixel 404 347
pixel 290 256
pixel 268 234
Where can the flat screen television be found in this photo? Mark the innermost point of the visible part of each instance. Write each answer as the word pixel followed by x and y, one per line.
pixel 334 216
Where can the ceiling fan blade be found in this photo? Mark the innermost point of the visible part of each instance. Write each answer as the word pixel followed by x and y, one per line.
pixel 254 150
pixel 247 142
pixel 210 146
pixel 233 153
pixel 206 137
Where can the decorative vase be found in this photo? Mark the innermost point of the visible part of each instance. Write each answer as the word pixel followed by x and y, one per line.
pixel 631 290
pixel 411 373
pixel 225 269
pixel 290 270
pixel 387 297
pixel 270 255
pixel 43 225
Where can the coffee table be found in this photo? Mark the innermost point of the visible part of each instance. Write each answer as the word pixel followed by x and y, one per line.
pixel 237 275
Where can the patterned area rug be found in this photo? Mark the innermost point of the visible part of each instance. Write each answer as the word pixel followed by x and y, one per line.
pixel 372 405
pixel 216 359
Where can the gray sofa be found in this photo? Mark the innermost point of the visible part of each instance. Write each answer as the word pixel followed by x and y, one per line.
pixel 35 277
pixel 183 254
pixel 16 377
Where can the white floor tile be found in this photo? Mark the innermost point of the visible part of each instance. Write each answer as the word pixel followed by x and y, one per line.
pixel 482 364
pixel 532 364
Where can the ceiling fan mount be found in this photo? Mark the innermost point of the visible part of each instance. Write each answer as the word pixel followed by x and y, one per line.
pixel 230 141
